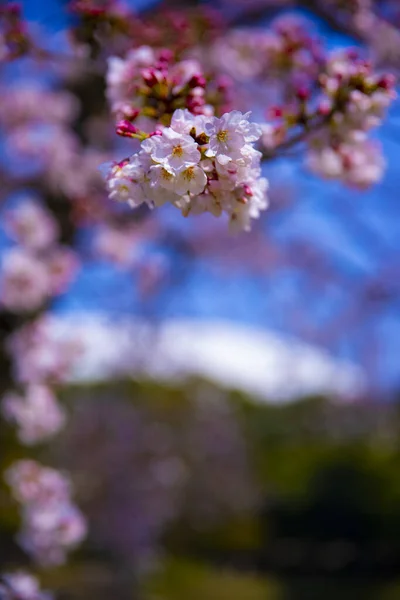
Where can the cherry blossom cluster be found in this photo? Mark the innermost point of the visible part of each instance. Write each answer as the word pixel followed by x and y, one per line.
pixel 198 164
pixel 334 117
pixel 37 414
pixel 21 586
pixel 38 268
pixel 286 50
pixel 150 84
pixel 40 355
pixel 52 525
pixel 355 100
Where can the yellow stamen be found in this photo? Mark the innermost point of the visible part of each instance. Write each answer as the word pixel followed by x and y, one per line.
pixel 177 151
pixel 166 175
pixel 222 136
pixel 189 173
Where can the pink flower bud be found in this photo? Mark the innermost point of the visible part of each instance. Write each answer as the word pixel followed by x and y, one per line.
pixel 324 107
pixel 156 132
pixel 223 83
pixel 131 113
pixel 387 81
pixel 165 55
pixel 352 54
pixel 125 128
pixel 275 112
pixel 193 103
pixel 302 93
pixel 150 77
pixel 13 9
pixel 347 161
pixel 197 80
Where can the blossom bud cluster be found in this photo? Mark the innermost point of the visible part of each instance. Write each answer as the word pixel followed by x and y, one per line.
pixel 38 268
pixel 21 586
pixel 51 524
pixel 287 49
pixel 149 84
pixel 37 414
pixel 355 99
pixel 109 24
pixel 198 164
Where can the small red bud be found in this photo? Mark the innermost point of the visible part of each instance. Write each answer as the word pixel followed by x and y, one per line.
pixel 324 108
pixel 302 93
pixel 223 83
pixel 13 9
pixel 387 81
pixel 165 55
pixel 126 129
pixel 347 162
pixel 197 80
pixel 131 113
pixel 193 103
pixel 275 112
pixel 150 77
pixel 352 54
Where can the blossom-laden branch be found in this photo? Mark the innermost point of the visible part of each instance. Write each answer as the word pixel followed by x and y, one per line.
pixel 33 272
pixel 334 101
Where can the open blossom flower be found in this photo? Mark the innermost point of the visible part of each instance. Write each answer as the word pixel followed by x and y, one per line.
pixel 31 225
pixel 52 525
pixel 173 150
pixel 38 414
pixel 21 586
pixel 226 139
pixel 199 164
pixel 192 179
pixel 126 185
pixel 24 281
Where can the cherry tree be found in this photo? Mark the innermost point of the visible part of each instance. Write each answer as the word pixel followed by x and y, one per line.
pixel 185 106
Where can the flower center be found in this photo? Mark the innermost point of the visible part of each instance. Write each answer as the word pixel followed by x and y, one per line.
pixel 166 175
pixel 189 173
pixel 177 151
pixel 123 188
pixel 222 135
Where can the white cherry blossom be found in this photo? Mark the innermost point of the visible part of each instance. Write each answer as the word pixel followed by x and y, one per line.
pixel 172 149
